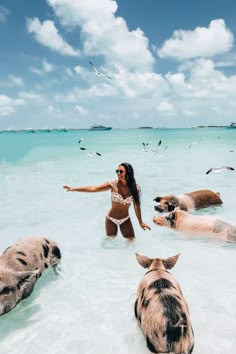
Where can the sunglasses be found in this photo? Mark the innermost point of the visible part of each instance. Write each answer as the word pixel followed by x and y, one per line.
pixel 120 171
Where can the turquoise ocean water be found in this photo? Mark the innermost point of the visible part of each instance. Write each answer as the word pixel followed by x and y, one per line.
pixel 88 307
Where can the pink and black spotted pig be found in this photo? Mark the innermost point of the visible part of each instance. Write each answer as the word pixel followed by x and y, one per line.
pixel 161 310
pixel 21 265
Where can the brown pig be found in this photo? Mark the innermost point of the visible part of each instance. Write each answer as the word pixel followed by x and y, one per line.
pixel 21 265
pixel 197 224
pixel 161 310
pixel 188 201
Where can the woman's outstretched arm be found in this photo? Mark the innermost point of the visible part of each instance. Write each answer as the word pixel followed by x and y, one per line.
pixel 91 189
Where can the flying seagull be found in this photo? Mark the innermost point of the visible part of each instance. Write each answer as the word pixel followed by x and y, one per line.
pixel 194 142
pixel 90 154
pixel 98 73
pixel 145 147
pixel 219 169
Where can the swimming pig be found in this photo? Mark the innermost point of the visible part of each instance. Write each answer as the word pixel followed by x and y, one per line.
pixel 193 200
pixel 21 265
pixel 161 310
pixel 198 225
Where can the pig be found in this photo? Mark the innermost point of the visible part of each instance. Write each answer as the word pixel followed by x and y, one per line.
pixel 188 201
pixel 198 225
pixel 21 265
pixel 161 309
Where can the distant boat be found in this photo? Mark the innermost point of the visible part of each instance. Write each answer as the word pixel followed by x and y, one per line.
pixel 45 130
pixel 98 127
pixel 62 128
pixel 232 125
pixel 30 130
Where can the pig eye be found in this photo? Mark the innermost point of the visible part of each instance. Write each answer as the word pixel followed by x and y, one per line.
pixel 5 291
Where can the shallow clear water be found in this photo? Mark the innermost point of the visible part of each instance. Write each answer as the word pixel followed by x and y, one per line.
pixel 88 307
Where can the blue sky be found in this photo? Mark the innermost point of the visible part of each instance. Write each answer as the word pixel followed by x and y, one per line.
pixel 162 63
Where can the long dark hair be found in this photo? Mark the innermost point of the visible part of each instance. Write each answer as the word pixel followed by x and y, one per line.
pixel 131 182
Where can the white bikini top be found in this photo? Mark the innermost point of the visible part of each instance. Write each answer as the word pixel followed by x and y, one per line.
pixel 117 197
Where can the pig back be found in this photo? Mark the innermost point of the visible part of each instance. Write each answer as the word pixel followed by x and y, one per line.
pixel 162 313
pixel 31 253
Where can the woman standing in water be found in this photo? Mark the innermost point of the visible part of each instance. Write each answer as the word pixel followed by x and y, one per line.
pixel 124 191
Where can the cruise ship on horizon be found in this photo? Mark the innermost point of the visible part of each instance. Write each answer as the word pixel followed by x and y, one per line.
pixel 232 125
pixel 99 127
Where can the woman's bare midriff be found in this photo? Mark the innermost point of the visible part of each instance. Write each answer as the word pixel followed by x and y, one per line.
pixel 119 211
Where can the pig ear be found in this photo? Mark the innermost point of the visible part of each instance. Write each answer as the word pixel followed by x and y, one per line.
pixel 144 261
pixel 26 273
pixel 170 262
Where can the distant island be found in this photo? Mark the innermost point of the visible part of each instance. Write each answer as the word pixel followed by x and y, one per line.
pixel 145 128
pixel 101 127
pixel 214 126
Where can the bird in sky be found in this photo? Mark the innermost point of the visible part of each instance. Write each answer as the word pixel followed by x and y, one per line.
pixel 91 154
pixel 194 142
pixel 154 151
pixel 98 73
pixel 145 145
pixel 219 169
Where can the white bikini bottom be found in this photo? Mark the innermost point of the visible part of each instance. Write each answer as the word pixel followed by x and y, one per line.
pixel 118 222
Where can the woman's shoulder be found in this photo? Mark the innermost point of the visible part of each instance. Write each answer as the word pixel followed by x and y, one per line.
pixel 113 182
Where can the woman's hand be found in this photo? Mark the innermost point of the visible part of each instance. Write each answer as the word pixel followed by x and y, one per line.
pixel 68 188
pixel 144 226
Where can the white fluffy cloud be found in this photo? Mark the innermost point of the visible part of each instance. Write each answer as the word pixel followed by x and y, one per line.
pixel 47 34
pixel 7 105
pixel 202 42
pixel 31 96
pixel 165 107
pixel 196 88
pixel 45 67
pixel 204 90
pixel 105 34
pixel 82 111
pixel 16 80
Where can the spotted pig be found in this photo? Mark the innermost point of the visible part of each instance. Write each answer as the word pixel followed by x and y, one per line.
pixel 161 310
pixel 21 265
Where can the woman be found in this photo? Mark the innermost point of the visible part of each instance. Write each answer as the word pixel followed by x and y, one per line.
pixel 124 191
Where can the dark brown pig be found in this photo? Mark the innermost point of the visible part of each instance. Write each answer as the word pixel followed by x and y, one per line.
pixel 21 265
pixel 161 310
